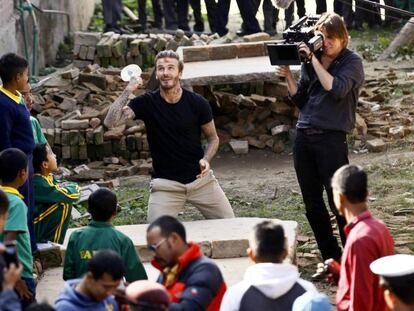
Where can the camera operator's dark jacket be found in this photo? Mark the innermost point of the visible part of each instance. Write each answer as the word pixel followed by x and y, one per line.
pixel 334 109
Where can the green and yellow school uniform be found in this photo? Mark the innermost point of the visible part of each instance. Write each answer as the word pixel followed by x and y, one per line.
pixel 53 207
pixel 38 135
pixel 85 242
pixel 17 221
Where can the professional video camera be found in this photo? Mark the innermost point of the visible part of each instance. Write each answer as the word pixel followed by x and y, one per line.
pixel 287 53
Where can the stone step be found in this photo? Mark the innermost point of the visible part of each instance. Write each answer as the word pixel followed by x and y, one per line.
pixel 219 238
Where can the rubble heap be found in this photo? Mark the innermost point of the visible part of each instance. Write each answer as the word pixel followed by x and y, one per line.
pixel 111 49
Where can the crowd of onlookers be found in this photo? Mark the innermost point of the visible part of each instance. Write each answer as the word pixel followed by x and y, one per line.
pixel 174 14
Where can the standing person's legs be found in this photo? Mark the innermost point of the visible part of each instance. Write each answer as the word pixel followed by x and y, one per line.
pixel 218 15
pixel 311 184
pixel 208 197
pixel 107 6
pixel 270 17
pixel 198 18
pixel 348 13
pixel 300 7
pixel 360 14
pixel 332 155
pixel 142 14
pixel 170 14
pixel 248 9
pixel 117 11
pixel 158 15
pixel 289 14
pixel 167 197
pixel 320 6
pixel 337 7
pixel 182 14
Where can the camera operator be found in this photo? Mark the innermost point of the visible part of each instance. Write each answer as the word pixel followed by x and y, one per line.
pixel 9 301
pixel 326 95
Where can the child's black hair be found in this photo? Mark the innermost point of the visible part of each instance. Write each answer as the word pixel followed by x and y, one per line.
pixel 12 161
pixel 10 65
pixel 39 156
pixel 102 204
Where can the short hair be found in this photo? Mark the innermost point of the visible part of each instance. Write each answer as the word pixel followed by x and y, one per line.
pixel 352 182
pixel 334 26
pixel 39 156
pixel 10 65
pixel 170 54
pixel 102 204
pixel 4 203
pixel 106 261
pixel 12 161
pixel 168 225
pixel 267 241
pixel 404 289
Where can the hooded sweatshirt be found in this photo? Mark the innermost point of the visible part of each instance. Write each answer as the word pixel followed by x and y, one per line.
pixel 72 300
pixel 264 285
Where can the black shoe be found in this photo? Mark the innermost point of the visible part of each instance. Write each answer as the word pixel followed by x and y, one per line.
pixel 358 28
pixel 271 32
pixel 243 32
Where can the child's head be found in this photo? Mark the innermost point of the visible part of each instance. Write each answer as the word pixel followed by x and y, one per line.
pixel 44 160
pixel 14 70
pixel 13 167
pixel 4 207
pixel 102 204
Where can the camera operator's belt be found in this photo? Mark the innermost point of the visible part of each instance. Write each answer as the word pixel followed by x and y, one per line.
pixel 311 131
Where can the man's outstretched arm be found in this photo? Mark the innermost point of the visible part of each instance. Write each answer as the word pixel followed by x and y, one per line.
pixel 118 112
pixel 209 131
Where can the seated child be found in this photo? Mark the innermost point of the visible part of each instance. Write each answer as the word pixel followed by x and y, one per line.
pixel 99 235
pixel 13 174
pixel 53 201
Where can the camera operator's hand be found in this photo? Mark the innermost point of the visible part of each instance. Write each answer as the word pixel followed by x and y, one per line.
pixel 22 290
pixel 283 71
pixel 305 51
pixel 11 276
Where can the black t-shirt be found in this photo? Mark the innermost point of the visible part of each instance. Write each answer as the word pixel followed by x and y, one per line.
pixel 174 132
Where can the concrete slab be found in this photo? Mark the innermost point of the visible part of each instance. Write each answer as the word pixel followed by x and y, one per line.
pixel 220 238
pixel 52 283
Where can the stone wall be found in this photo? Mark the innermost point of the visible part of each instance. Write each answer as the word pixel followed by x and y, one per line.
pixel 53 27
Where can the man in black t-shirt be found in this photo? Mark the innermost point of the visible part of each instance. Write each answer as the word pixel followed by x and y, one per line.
pixel 174 119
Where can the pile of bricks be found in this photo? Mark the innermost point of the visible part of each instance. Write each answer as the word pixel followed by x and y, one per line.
pixel 72 117
pixel 111 49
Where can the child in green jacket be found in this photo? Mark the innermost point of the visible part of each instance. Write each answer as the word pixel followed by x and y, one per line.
pixel 98 235
pixel 13 174
pixel 53 201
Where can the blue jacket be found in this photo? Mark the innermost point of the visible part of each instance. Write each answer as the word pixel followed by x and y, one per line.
pixel 15 126
pixel 70 299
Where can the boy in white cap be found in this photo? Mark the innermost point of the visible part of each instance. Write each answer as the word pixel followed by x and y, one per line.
pixel 397 278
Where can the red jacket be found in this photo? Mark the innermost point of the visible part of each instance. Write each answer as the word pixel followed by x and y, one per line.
pixel 198 283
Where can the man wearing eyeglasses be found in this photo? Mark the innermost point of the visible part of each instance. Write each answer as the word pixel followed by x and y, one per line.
pixel 193 280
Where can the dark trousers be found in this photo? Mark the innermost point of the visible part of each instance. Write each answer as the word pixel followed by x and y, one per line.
pixel 176 14
pixel 112 10
pixel 271 14
pixel 361 16
pixel 316 158
pixel 27 191
pixel 198 18
pixel 347 13
pixel 157 10
pixel 321 7
pixel 248 9
pixel 218 15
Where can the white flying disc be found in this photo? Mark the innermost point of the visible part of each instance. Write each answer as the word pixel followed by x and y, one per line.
pixel 130 71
